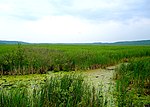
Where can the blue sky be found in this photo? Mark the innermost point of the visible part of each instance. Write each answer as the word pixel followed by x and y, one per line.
pixel 74 21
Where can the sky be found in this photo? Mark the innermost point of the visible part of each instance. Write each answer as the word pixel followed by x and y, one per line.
pixel 74 21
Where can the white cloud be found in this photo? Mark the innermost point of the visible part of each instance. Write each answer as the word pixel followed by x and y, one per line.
pixel 66 21
pixel 61 29
pixel 94 4
pixel 5 7
pixel 58 25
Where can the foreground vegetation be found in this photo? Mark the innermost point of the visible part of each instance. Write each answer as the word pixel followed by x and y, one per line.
pixel 30 59
pixel 133 83
pixel 62 90
pixel 132 78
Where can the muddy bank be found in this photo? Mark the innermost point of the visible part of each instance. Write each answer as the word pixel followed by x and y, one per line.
pixel 103 79
pixel 101 76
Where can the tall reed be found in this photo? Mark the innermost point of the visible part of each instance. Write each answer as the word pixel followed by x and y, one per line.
pixel 133 83
pixel 63 90
pixel 29 59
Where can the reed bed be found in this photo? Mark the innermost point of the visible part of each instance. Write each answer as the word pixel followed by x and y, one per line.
pixel 133 83
pixel 63 90
pixel 30 59
pixel 70 90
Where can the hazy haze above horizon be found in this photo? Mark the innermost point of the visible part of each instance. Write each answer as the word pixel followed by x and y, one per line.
pixel 74 21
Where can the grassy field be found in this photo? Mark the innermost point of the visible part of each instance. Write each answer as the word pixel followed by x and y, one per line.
pixel 27 78
pixel 30 59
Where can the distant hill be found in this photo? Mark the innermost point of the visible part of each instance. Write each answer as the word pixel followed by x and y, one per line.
pixel 12 42
pixel 140 42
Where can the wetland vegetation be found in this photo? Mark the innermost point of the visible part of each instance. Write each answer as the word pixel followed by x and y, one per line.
pixel 43 75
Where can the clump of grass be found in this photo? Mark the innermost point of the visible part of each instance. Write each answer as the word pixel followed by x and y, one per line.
pixel 133 83
pixel 14 98
pixel 25 60
pixel 63 90
pixel 69 91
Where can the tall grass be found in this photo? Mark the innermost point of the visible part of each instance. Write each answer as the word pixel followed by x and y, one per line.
pixel 64 90
pixel 30 59
pixel 133 83
pixel 14 98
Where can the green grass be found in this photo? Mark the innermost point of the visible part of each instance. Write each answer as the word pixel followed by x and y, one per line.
pixel 31 59
pixel 71 90
pixel 133 83
pixel 61 90
pixel 14 98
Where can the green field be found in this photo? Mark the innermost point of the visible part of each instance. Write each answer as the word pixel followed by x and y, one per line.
pixel 47 75
pixel 29 59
